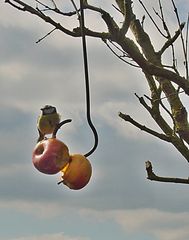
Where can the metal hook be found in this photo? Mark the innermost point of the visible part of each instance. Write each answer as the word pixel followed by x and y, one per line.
pixel 82 24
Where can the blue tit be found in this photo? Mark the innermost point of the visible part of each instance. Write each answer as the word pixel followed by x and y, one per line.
pixel 47 121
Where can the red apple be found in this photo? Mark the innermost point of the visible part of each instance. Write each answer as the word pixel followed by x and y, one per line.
pixel 50 156
pixel 77 173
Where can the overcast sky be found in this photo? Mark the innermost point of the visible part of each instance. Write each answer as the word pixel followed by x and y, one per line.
pixel 119 202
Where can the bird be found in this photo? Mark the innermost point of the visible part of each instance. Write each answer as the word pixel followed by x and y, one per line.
pixel 47 121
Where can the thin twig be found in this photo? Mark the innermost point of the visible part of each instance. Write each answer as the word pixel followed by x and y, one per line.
pixel 186 44
pixel 144 128
pixel 27 8
pixel 153 177
pixel 55 9
pixel 158 99
pixel 120 57
pixel 144 104
pixel 15 6
pixel 182 39
pixel 44 5
pixel 155 113
pixel 117 8
pixel 38 41
pixel 171 40
pixel 163 106
pixel 55 6
pixel 151 18
pixel 75 7
pixel 142 21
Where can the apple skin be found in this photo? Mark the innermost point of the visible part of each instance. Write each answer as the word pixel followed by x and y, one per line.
pixel 50 156
pixel 77 172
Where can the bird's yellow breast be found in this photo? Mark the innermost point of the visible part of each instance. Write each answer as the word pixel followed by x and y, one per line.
pixel 47 123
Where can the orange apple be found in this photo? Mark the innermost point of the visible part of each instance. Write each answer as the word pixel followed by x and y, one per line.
pixel 77 173
pixel 50 156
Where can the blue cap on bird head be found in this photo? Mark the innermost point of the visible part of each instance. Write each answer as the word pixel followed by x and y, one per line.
pixel 48 109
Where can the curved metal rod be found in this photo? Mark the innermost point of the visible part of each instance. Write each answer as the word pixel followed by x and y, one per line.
pixel 59 125
pixel 82 24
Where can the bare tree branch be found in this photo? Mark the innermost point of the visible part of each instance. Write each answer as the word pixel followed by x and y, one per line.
pixel 25 7
pixel 170 41
pixel 114 34
pixel 182 39
pixel 149 65
pixel 128 13
pixel 144 128
pixel 151 18
pixel 186 44
pixel 153 177
pixel 121 57
pixel 38 41
pixel 55 9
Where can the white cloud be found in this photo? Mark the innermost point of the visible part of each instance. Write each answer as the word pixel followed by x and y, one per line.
pixel 108 111
pixel 153 222
pixel 17 72
pixel 13 168
pixel 56 236
pixel 39 209
pixel 163 225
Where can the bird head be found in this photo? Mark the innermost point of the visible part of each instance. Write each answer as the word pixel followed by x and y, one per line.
pixel 48 109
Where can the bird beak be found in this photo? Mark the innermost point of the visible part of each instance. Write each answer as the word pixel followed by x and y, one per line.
pixel 42 108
